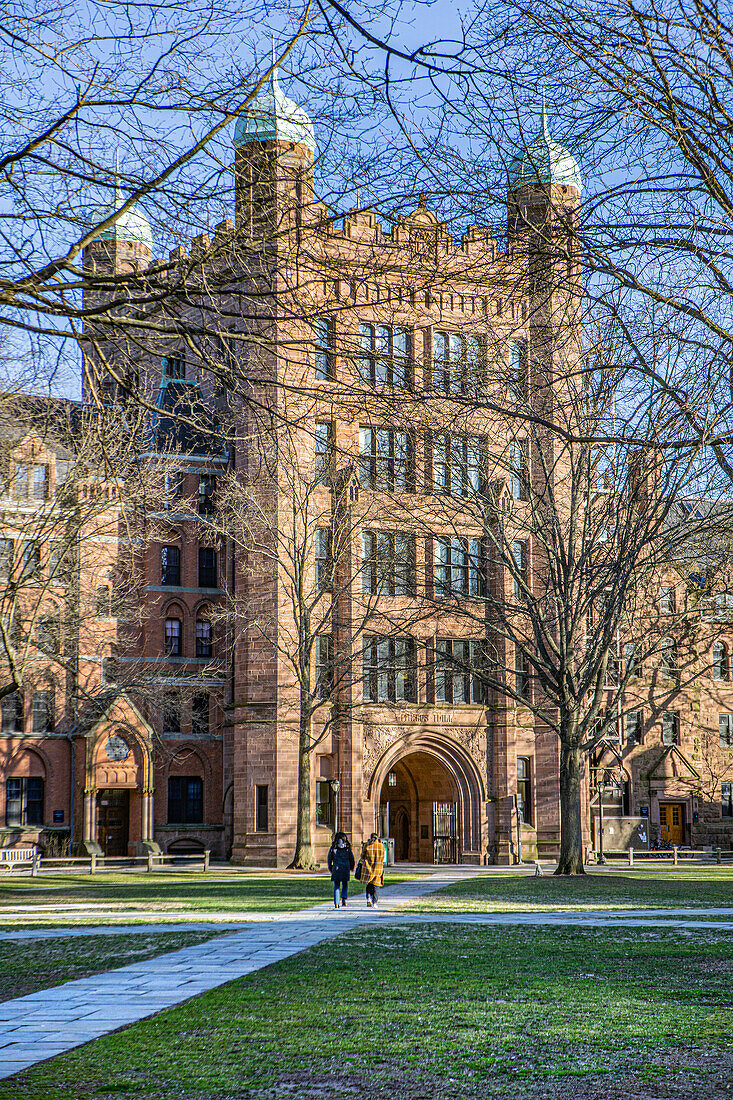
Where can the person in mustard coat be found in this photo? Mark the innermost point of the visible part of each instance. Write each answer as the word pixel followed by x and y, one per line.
pixel 372 875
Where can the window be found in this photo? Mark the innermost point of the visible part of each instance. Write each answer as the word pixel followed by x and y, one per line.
pixel 524 789
pixel 40 482
pixel 519 559
pixel 58 561
pixel 519 469
pixel 631 660
pixel 453 367
pixel 670 728
pixel 518 370
pixel 43 711
pixel 21 480
pixel 6 557
pixel 726 799
pixel 324 802
pixel 459 567
pixel 324 451
pixel 103 601
pixel 174 366
pixel 48 634
pixel 612 670
pixel 384 355
pixel 170 565
pixel 725 731
pixel 207 494
pixel 388 563
pixel 456 671
pixel 386 460
pixel 31 561
pixel 204 647
pixel 185 800
pixel 172 489
pixel 457 464
pixel 724 605
pixel 24 801
pixel 666 601
pixel 12 713
pixel 261 793
pixel 635 727
pixel 323 332
pixel 171 714
pixel 324 666
pixel 110 670
pixel 173 647
pixel 324 562
pixel 208 577
pixel 667 658
pixel 521 673
pixel 721 667
pixel 200 722
pixel 390 673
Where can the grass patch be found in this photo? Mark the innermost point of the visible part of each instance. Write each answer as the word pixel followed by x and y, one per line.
pixel 29 965
pixel 163 892
pixel 434 1011
pixel 616 890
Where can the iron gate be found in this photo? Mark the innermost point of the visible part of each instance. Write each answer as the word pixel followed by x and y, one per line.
pixel 446 848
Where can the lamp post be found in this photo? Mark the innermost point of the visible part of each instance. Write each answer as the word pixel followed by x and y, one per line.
pixel 335 788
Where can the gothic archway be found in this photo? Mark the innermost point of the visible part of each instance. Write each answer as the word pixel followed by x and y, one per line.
pixel 420 773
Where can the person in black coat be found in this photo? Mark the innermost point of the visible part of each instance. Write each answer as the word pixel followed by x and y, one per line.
pixel 340 864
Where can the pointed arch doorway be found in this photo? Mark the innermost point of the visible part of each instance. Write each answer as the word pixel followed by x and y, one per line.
pixel 419 801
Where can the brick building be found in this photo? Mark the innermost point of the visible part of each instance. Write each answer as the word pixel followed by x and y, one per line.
pixel 389 368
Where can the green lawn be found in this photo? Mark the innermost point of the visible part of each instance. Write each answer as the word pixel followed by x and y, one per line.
pixel 431 1012
pixel 29 965
pixel 175 894
pixel 615 890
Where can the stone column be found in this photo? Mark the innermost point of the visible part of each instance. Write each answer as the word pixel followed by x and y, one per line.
pixel 89 793
pixel 145 809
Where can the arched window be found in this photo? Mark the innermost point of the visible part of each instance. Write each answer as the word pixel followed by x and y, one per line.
pixel 721 667
pixel 204 645
pixel 668 658
pixel 173 639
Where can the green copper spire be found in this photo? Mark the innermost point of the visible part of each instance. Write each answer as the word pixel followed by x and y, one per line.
pixel 271 116
pixel 545 162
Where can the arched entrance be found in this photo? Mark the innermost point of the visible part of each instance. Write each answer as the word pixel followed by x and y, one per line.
pixel 427 792
pixel 419 809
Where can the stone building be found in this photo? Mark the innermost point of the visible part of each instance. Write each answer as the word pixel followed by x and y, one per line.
pixel 389 367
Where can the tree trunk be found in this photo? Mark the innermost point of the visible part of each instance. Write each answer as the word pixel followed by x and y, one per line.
pixel 571 834
pixel 303 858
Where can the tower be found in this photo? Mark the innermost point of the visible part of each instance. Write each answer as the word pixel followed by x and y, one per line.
pixel 275 148
pixel 121 250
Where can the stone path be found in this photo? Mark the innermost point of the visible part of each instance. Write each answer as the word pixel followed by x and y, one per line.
pixel 44 1024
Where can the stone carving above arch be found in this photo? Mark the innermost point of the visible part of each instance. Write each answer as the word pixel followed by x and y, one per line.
pixel 379 738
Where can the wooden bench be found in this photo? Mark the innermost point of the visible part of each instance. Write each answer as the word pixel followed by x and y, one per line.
pixel 18 857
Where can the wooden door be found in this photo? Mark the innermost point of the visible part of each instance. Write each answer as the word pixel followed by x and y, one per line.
pixel 113 821
pixel 672 822
pixel 402 835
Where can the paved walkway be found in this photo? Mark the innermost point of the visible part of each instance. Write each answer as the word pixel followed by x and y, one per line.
pixel 44 1024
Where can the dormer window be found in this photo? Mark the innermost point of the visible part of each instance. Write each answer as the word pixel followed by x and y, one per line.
pixel 174 366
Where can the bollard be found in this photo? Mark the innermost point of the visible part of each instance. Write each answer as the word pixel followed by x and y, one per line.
pixel 718 856
pixel 631 857
pixel 150 861
pixel 674 854
pixel 93 863
pixel 207 855
pixel 36 862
